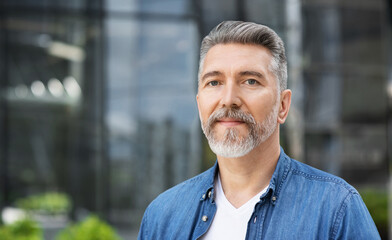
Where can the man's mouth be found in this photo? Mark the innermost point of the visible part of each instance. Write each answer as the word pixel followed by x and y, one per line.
pixel 229 122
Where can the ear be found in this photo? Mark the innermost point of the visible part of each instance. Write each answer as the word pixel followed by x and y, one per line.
pixel 285 102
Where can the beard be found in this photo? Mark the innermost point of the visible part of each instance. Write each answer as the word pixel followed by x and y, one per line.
pixel 232 145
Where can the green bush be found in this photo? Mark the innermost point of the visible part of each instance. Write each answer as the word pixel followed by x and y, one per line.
pixel 25 229
pixel 92 228
pixel 47 203
pixel 377 204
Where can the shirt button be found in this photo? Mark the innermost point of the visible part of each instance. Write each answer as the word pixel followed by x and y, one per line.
pixel 204 218
pixel 204 196
pixel 273 198
pixel 209 194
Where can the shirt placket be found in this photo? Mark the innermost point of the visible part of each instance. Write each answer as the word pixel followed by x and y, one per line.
pixel 256 222
pixel 208 211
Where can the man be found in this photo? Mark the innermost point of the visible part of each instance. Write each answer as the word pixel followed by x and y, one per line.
pixel 254 191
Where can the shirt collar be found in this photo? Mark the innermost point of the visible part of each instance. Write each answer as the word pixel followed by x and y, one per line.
pixel 208 189
pixel 278 178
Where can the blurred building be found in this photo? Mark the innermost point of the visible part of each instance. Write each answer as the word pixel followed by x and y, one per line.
pixel 97 98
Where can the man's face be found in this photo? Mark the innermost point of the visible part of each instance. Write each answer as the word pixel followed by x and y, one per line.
pixel 237 98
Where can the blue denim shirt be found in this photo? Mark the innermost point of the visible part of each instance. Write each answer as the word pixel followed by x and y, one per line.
pixel 301 203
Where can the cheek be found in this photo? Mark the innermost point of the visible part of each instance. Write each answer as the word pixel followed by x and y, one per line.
pixel 206 107
pixel 259 106
pixel 205 113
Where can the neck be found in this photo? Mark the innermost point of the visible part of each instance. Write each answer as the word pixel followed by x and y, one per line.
pixel 242 178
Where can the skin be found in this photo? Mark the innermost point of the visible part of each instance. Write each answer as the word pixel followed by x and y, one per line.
pixel 238 75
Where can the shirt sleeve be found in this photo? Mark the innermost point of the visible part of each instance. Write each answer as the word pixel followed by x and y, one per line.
pixel 143 231
pixel 353 220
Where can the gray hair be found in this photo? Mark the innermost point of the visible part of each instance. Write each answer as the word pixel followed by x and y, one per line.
pixel 249 33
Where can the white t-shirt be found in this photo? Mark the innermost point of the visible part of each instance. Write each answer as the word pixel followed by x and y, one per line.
pixel 230 222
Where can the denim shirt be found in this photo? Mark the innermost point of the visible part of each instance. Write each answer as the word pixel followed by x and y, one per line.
pixel 301 203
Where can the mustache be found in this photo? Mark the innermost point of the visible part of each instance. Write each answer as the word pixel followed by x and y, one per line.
pixel 234 113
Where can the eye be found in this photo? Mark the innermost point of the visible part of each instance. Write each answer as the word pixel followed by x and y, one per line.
pixel 213 83
pixel 251 81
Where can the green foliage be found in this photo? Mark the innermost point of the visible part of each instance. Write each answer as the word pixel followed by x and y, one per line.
pixel 25 229
pixel 377 203
pixel 47 203
pixel 92 228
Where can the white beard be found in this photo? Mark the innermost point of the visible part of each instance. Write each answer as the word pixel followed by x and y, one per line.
pixel 232 145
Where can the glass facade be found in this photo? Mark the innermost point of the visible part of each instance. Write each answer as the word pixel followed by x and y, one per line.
pixel 97 98
pixel 151 115
pixel 98 101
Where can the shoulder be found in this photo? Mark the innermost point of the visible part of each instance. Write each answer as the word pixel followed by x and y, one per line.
pixel 340 202
pixel 314 176
pixel 172 213
pixel 320 189
pixel 189 188
pixel 184 195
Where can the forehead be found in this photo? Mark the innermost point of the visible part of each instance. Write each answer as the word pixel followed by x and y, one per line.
pixel 235 57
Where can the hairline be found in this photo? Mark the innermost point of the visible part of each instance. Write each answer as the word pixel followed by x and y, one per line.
pixel 248 33
pixel 272 65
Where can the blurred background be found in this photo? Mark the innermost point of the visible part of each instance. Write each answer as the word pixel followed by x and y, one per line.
pixel 98 112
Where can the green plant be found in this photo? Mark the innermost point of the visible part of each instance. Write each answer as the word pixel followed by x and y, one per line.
pixel 47 203
pixel 92 228
pixel 25 229
pixel 377 204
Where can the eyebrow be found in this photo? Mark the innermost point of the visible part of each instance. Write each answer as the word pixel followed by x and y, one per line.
pixel 251 73
pixel 242 74
pixel 211 74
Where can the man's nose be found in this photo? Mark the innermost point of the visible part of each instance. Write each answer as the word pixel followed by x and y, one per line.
pixel 230 96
